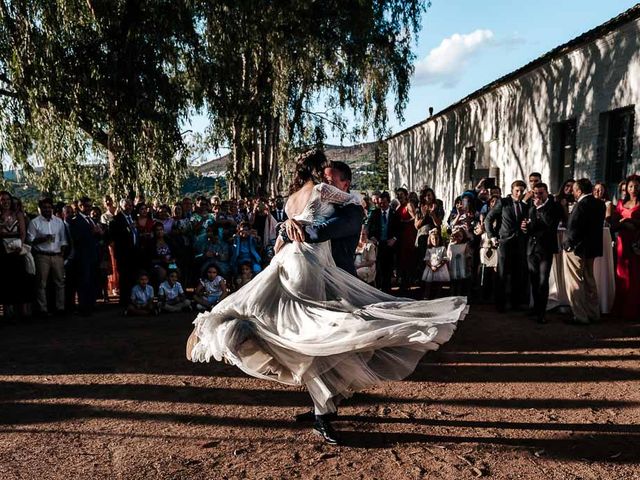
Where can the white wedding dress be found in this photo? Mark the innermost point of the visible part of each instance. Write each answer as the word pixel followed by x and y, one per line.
pixel 304 321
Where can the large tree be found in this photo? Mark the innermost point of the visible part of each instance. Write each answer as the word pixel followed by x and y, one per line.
pixel 112 81
pixel 89 81
pixel 279 75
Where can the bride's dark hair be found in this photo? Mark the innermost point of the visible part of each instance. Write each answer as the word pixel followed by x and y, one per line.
pixel 309 166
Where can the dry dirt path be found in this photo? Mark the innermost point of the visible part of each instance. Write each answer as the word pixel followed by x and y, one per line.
pixel 112 397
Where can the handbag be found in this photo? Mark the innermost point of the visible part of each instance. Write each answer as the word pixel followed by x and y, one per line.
pixel 12 245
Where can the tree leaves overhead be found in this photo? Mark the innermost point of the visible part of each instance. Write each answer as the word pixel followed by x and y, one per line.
pixel 112 80
pixel 92 81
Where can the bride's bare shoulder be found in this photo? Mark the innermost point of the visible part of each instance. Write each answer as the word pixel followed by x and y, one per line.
pixel 298 200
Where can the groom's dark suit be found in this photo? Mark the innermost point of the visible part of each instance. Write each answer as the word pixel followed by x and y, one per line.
pixel 343 229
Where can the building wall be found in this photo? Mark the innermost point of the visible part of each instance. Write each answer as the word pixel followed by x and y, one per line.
pixel 511 126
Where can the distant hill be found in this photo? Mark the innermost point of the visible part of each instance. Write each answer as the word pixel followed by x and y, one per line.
pixel 358 157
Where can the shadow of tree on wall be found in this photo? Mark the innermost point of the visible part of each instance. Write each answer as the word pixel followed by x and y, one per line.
pixel 519 115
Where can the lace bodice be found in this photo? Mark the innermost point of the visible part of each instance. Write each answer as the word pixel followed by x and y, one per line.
pixel 322 203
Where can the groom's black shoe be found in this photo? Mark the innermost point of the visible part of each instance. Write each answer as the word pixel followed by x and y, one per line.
pixel 310 416
pixel 323 428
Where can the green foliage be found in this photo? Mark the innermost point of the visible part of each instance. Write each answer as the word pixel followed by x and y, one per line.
pixel 86 82
pixel 282 79
pixel 376 176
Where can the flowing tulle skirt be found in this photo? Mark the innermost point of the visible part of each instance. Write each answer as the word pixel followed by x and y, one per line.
pixel 305 321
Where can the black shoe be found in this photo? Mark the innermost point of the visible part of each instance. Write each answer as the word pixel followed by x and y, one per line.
pixel 310 416
pixel 576 321
pixel 541 319
pixel 323 428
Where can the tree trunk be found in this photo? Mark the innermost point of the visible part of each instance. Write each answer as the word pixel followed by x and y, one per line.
pixel 121 175
pixel 236 159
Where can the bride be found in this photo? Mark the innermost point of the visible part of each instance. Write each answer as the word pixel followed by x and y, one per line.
pixel 304 321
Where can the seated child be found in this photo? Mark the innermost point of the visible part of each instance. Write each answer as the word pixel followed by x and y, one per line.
pixel 245 276
pixel 142 298
pixel 171 295
pixel 211 289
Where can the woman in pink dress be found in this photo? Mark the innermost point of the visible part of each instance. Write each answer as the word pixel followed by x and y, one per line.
pixel 627 303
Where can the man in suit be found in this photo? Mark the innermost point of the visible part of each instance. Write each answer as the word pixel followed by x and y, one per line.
pixel 384 230
pixel 534 179
pixel 541 228
pixel 508 215
pixel 124 234
pixel 278 213
pixel 582 244
pixel 85 233
pixel 343 229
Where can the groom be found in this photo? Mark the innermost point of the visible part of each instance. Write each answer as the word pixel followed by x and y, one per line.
pixel 343 229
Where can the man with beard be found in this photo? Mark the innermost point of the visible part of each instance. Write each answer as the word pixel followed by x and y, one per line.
pixel 541 228
pixel 343 229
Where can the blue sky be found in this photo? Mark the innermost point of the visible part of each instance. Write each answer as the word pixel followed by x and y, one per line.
pixel 466 44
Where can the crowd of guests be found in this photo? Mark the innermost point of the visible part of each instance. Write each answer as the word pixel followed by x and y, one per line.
pixel 501 248
pixel 190 255
pixel 153 257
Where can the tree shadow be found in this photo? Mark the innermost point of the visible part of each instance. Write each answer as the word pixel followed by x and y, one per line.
pixel 486 331
pixel 598 447
pixel 29 391
pixel 439 373
pixel 591 441
pixel 106 343
pixel 481 351
pixel 510 121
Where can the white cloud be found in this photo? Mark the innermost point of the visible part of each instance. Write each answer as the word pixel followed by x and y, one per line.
pixel 446 63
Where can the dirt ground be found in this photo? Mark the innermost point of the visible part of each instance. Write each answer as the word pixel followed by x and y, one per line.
pixel 113 397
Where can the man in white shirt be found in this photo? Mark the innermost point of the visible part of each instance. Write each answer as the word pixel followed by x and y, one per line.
pixel 46 234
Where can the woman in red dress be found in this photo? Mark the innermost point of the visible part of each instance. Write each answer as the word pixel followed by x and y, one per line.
pixel 144 225
pixel 407 253
pixel 627 303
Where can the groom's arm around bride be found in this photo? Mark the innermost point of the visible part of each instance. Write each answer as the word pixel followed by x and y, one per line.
pixel 343 229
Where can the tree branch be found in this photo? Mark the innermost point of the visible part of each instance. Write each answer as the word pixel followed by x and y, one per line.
pixel 96 134
pixel 325 119
pixel 8 93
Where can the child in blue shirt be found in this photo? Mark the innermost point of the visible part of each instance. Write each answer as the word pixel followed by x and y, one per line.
pixel 142 298
pixel 171 295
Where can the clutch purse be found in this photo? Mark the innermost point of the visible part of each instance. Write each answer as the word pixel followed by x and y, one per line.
pixel 12 245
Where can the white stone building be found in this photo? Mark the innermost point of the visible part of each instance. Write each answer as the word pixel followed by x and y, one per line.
pixel 571 113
